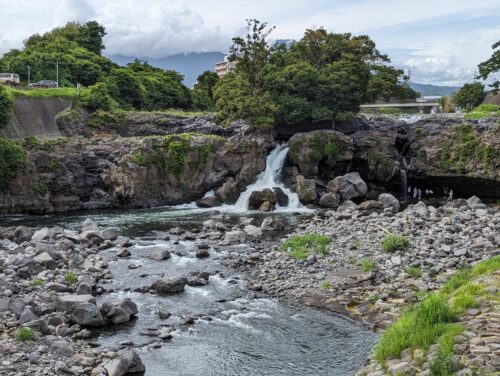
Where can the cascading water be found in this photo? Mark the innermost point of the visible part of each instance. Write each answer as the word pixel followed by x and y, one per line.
pixel 270 178
pixel 404 179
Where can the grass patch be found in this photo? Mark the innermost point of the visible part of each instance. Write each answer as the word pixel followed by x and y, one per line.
pixel 368 265
pixel 37 282
pixel 394 242
pixel 301 246
pixel 70 277
pixel 326 285
pixel 414 272
pixel 60 92
pixel 483 110
pixel 25 334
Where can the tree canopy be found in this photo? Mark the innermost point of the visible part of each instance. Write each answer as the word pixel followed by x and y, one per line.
pixel 323 76
pixel 491 66
pixel 469 96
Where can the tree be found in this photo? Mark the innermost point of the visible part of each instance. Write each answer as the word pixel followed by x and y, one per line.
pixel 97 97
pixel 6 106
pixel 491 66
pixel 125 88
pixel 469 96
pixel 202 93
pixel 12 160
pixel 90 36
pixel 206 81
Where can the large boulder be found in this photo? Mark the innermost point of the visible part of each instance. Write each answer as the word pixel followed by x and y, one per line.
pixel 257 198
pixel 270 224
pixel 46 260
pixel 234 237
pixel 228 193
pixel 330 200
pixel 160 255
pixel 119 310
pixel 208 202
pixel 87 314
pixel 66 302
pixel 348 186
pixel 281 197
pixel 22 234
pixel 127 362
pixel 306 189
pixel 389 202
pixel 253 231
pixel 169 285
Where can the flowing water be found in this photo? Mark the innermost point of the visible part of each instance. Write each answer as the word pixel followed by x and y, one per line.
pixel 236 332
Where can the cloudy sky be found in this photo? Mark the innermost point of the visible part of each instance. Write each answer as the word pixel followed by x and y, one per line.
pixel 441 42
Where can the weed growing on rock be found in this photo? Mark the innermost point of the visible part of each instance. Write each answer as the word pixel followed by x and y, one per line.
pixel 70 277
pixel 326 285
pixel 37 282
pixel 414 272
pixel 368 265
pixel 394 242
pixel 301 246
pixel 25 334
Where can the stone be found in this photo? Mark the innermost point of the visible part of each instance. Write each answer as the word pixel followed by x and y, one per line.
pixel 370 205
pixel 27 316
pixel 253 231
pixel 126 362
pixel 66 302
pixel 306 189
pixel 60 368
pixel 349 186
pixel 163 313
pixel 202 253
pixel 208 202
pixel 22 234
pixel 119 310
pixel 330 200
pixel 266 207
pixel 123 252
pixel 159 255
pixel 400 368
pixel 475 203
pixel 257 198
pixel 169 285
pixel 59 346
pixel 89 225
pixel 228 193
pixel 109 234
pixel 281 197
pixel 388 201
pixel 46 260
pixel 87 314
pixel 347 206
pixel 233 237
pixel 270 224
pixel 40 235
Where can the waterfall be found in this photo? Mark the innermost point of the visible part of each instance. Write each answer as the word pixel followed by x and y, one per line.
pixel 270 178
pixel 403 168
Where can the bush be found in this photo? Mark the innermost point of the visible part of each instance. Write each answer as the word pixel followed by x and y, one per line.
pixel 394 242
pixel 37 282
pixel 301 246
pixel 96 98
pixel 25 334
pixel 6 106
pixel 12 160
pixel 368 265
pixel 326 285
pixel 70 277
pixel 469 96
pixel 414 272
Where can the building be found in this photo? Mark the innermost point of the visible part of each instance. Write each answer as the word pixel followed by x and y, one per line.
pixel 225 67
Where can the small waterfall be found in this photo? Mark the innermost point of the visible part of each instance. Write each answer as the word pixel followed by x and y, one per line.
pixel 403 168
pixel 270 178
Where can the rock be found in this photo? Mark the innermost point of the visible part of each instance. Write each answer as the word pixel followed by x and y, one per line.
pixel 27 316
pixel 281 197
pixel 46 260
pixel 159 255
pixel 66 302
pixel 123 252
pixel 347 206
pixel 349 186
pixel 119 310
pixel 369 205
pixel 163 313
pixel 87 314
pixel 127 362
pixel 389 202
pixel 89 225
pixel 306 189
pixel 229 192
pixel 61 368
pixel 272 224
pixel 57 287
pixel 257 198
pixel 14 305
pixel 253 231
pixel 400 368
pixel 475 203
pixel 169 285
pixel 330 200
pixel 233 237
pixel 109 234
pixel 22 234
pixel 202 253
pixel 208 202
pixel 266 207
pixel 40 235
pixel 59 346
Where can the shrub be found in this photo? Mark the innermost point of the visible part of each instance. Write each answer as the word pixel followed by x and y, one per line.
pixel 12 160
pixel 97 98
pixel 368 265
pixel 301 246
pixel 6 106
pixel 394 242
pixel 70 277
pixel 25 334
pixel 414 272
pixel 37 282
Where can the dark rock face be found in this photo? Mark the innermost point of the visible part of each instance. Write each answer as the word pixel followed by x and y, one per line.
pixel 119 310
pixel 258 198
pixel 169 285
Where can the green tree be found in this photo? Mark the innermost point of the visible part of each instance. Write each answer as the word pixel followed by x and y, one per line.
pixel 12 160
pixel 125 88
pixel 97 97
pixel 6 106
pixel 469 96
pixel 90 36
pixel 491 66
pixel 202 93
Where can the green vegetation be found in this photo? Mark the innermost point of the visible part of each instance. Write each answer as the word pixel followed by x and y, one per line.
pixel 301 246
pixel 368 265
pixel 12 160
pixel 414 272
pixel 170 153
pixel 394 242
pixel 70 277
pixel 36 282
pixel 322 77
pixel 326 285
pixel 461 146
pixel 60 92
pixel 203 91
pixel 483 111
pixel 25 334
pixel 434 319
pixel 6 106
pixel 491 66
pixel 469 96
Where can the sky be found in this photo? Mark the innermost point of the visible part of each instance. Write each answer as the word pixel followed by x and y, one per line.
pixel 438 41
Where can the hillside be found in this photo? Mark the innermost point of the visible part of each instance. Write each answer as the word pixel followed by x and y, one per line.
pixel 427 89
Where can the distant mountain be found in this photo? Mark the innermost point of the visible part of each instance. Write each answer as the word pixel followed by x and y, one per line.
pixel 426 89
pixel 191 65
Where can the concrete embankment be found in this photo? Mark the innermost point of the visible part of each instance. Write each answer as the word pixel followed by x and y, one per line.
pixel 36 117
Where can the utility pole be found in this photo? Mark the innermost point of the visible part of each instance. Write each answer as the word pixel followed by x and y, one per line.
pixel 29 71
pixel 57 73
